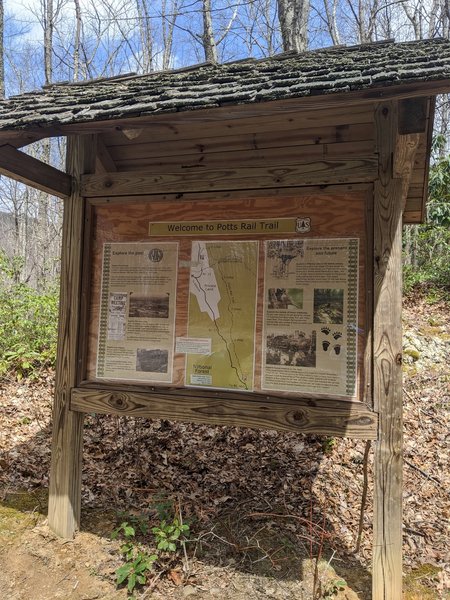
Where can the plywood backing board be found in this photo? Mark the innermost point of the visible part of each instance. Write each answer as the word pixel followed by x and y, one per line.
pixel 342 214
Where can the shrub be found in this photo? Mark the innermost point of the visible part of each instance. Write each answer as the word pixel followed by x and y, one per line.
pixel 427 247
pixel 28 325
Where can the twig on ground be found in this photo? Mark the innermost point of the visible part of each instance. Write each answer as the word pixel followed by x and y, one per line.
pixel 297 518
pixel 152 584
pixel 183 543
pixel 422 472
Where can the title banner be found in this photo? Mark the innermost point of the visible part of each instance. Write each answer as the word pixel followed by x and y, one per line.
pixel 236 227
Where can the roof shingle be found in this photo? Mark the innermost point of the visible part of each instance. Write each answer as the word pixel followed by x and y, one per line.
pixel 291 75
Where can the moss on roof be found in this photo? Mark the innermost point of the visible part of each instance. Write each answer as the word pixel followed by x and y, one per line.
pixel 289 75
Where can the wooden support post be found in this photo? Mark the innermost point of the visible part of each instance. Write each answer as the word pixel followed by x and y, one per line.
pixel 65 473
pixel 387 345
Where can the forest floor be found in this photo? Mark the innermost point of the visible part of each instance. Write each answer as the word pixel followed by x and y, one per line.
pixel 264 508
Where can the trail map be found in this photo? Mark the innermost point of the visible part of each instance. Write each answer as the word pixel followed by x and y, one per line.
pixel 222 308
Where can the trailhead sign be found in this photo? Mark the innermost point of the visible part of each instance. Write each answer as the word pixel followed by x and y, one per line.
pixel 248 305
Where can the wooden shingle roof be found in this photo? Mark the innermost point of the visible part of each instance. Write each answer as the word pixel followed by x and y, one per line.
pixel 286 76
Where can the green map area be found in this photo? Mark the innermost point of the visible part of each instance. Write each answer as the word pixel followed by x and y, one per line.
pixel 222 308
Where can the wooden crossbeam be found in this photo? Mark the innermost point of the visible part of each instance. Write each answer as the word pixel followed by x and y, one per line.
pixel 33 172
pixel 314 173
pixel 327 417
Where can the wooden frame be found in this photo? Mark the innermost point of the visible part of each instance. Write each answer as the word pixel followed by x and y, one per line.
pixel 387 560
pixel 342 417
pixel 386 174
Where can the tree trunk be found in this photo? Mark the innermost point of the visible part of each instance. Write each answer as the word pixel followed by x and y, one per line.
pixel 168 25
pixel 146 34
pixel 293 18
pixel 2 53
pixel 209 43
pixel 330 11
pixel 49 26
pixel 77 41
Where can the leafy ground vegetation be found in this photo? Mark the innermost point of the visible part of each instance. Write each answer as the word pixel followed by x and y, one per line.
pixel 221 512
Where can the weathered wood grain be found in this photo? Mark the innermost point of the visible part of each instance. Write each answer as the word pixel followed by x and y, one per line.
pixel 387 343
pixel 67 441
pixel 26 169
pixel 404 153
pixel 260 140
pixel 268 158
pixel 366 271
pixel 314 173
pixel 350 419
pixel 212 197
pixel 104 161
pixel 191 126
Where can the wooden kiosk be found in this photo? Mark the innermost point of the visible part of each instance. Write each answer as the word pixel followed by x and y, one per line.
pixel 232 249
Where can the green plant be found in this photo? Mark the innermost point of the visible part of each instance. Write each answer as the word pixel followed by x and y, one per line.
pixel 134 572
pixel 171 531
pixel 426 247
pixel 328 445
pixel 332 588
pixel 169 534
pixel 28 324
pixel 137 562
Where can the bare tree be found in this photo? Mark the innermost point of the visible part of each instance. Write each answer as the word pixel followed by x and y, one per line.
pixel 293 16
pixel 2 52
pixel 330 7
pixel 169 16
pixel 77 41
pixel 146 35
pixel 208 41
pixel 258 30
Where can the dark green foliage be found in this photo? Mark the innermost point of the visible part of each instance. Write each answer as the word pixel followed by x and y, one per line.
pixel 169 536
pixel 427 246
pixel 28 323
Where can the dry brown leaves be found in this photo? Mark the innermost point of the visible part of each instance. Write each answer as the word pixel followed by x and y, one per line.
pixel 260 499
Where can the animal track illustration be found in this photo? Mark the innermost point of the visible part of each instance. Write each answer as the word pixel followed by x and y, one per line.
pixel 337 335
pixel 325 330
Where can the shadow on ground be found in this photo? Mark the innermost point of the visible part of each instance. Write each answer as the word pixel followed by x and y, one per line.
pixel 260 504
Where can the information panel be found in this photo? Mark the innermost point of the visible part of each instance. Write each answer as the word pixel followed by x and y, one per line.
pixel 137 312
pixel 310 315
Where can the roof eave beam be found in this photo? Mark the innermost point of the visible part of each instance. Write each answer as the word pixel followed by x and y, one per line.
pixel 33 172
